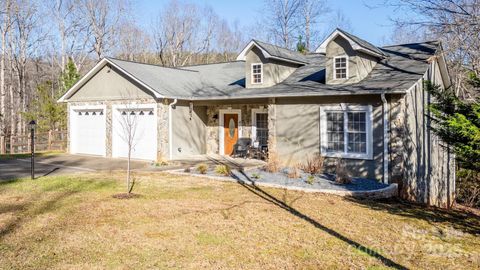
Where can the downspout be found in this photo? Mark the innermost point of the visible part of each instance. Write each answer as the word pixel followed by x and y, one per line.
pixel 385 138
pixel 170 129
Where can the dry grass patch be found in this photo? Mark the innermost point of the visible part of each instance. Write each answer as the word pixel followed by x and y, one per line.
pixel 194 223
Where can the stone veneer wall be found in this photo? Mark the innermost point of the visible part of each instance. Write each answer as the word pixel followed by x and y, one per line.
pixel 162 115
pixel 272 118
pixel 212 124
pixel 397 147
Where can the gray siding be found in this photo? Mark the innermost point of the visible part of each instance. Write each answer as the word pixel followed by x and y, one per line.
pixel 429 166
pixel 359 64
pixel 188 132
pixel 298 132
pixel 108 84
pixel 274 72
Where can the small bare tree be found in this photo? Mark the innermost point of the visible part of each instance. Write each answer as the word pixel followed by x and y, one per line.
pixel 128 120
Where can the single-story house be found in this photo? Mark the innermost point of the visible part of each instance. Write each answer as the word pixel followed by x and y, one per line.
pixel 348 99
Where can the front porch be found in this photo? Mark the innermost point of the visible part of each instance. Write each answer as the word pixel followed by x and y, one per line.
pixel 231 124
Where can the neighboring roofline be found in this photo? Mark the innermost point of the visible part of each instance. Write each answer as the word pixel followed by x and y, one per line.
pixel 337 32
pixel 243 54
pixel 94 71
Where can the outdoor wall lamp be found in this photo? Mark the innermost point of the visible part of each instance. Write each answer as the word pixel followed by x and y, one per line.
pixel 32 125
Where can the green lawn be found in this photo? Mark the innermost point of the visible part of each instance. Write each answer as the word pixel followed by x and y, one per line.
pixel 184 222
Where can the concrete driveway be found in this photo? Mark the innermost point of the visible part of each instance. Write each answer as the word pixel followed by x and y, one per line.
pixel 64 164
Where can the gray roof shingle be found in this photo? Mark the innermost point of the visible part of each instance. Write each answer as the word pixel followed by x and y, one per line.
pixel 404 66
pixel 282 52
pixel 365 44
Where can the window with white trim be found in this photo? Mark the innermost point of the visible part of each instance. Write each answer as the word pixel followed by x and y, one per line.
pixel 261 128
pixel 340 67
pixel 257 73
pixel 346 131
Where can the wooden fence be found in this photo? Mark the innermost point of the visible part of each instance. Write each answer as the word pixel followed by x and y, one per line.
pixel 44 141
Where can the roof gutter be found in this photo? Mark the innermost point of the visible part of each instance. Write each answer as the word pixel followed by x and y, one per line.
pixel 385 138
pixel 170 129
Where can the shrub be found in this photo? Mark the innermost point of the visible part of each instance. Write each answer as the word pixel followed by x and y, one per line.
pixel 310 179
pixel 256 176
pixel 294 172
pixel 223 170
pixel 273 163
pixel 468 187
pixel 313 165
pixel 202 168
pixel 187 170
pixel 341 173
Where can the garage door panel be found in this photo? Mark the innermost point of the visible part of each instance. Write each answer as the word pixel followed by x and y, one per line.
pixel 87 131
pixel 143 123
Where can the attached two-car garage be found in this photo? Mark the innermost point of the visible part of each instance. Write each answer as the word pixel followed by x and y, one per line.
pixel 130 124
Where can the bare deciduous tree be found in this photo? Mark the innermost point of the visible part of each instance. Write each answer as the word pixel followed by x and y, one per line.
pixel 104 18
pixel 456 23
pixel 283 20
pixel 6 23
pixel 311 11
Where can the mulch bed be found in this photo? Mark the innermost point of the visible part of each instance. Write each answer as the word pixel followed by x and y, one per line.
pixel 123 196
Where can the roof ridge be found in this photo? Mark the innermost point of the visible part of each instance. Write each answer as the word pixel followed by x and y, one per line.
pixel 280 47
pixel 209 64
pixel 141 63
pixel 410 43
pixel 359 38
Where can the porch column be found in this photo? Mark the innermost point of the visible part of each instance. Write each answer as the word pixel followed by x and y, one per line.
pixel 162 134
pixel 272 118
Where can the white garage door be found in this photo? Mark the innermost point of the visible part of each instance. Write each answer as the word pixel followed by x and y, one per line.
pixel 87 131
pixel 141 122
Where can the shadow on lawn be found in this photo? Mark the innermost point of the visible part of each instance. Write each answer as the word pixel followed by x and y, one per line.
pixel 460 220
pixel 266 196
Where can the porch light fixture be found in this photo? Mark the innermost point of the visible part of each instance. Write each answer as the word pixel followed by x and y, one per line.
pixel 215 117
pixel 32 125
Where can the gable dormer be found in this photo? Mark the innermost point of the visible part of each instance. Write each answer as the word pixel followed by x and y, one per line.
pixel 349 59
pixel 267 65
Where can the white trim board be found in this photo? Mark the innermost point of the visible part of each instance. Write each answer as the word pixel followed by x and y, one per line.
pixel 221 117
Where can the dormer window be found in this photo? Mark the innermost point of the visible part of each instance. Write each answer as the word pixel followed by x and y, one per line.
pixel 257 73
pixel 340 70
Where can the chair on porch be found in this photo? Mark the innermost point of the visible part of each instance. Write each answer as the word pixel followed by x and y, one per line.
pixel 241 148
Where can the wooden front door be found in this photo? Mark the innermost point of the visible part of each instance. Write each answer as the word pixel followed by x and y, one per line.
pixel 230 132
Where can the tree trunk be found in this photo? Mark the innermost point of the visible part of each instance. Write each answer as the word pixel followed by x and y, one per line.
pixel 128 170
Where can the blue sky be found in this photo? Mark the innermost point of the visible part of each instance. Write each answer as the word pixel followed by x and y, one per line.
pixel 370 24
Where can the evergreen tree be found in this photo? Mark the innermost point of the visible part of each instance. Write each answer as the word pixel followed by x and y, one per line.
pixel 49 114
pixel 457 123
pixel 301 47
